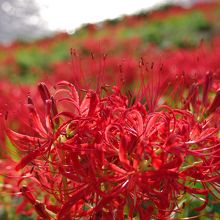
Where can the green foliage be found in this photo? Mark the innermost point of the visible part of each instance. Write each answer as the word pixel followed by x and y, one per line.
pixel 180 30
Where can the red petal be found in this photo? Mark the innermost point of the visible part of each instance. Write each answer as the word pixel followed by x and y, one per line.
pixel 122 151
pixel 151 123
pixel 48 121
pixel 30 157
pixel 79 194
pixel 23 142
pixel 71 101
pixel 215 104
pixel 89 103
pixel 74 93
pixel 36 122
pixel 44 92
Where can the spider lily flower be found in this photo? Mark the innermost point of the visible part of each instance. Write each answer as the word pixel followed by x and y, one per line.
pixel 38 145
pixel 201 104
pixel 109 158
pixel 38 206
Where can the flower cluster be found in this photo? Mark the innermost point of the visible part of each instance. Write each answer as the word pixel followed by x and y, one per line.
pixel 102 155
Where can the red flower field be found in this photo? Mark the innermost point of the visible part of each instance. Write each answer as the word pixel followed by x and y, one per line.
pixel 124 126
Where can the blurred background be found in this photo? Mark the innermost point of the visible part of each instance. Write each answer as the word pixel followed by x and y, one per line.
pixel 33 19
pixel 36 35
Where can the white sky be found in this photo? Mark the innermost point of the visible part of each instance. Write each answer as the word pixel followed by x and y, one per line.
pixel 67 15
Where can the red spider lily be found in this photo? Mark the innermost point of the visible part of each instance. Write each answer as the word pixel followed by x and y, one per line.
pixel 44 138
pixel 108 159
pixel 203 107
pixel 38 206
pixel 102 155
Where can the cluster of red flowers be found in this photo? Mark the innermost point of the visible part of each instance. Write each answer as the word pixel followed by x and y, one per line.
pixel 143 144
pixel 104 155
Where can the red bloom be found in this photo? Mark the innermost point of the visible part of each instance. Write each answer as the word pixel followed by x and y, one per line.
pixel 107 156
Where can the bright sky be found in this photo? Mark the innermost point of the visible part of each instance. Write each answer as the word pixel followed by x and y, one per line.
pixel 67 15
